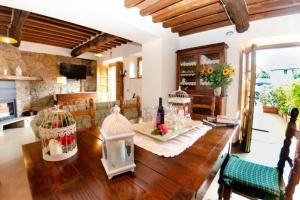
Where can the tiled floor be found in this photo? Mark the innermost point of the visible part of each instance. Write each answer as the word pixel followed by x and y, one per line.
pixel 14 185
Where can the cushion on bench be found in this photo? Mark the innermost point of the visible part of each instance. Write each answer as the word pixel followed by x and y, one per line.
pixel 240 174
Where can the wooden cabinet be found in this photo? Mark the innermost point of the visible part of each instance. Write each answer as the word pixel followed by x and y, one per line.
pixel 193 59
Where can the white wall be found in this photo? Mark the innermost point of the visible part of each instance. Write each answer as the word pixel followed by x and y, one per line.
pixel 127 54
pixel 259 31
pixel 54 50
pixel 134 85
pixel 159 72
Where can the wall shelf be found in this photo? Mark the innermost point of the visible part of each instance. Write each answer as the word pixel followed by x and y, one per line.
pixel 20 78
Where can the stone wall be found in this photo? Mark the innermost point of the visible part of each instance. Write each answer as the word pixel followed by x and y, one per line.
pixel 45 66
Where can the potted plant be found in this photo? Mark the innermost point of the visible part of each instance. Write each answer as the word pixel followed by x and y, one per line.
pixel 281 96
pixel 216 75
pixel 268 100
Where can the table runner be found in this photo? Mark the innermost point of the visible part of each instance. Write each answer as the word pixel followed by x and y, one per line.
pixel 174 146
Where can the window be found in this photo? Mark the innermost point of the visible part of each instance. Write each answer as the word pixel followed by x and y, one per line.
pixel 139 67
pixel 112 83
pixel 132 73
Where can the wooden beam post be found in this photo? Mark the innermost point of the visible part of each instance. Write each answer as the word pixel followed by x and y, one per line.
pixel 238 13
pixel 19 18
pixel 97 41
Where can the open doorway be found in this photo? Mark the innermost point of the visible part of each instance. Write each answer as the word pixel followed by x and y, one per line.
pixel 277 91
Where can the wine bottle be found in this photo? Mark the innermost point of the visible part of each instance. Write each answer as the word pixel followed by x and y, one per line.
pixel 160 116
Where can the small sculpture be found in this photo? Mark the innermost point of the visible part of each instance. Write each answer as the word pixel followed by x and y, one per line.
pixel 291 131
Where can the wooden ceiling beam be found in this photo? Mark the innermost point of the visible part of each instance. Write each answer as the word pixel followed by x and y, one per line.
pixel 52 31
pixel 181 8
pixel 115 43
pixel 257 16
pixel 269 5
pixel 2 14
pixel 276 13
pixel 205 28
pixel 121 41
pixel 238 12
pixel 37 23
pixel 48 40
pixel 195 14
pixel 50 34
pixel 250 2
pixel 211 19
pixel 97 41
pixel 63 23
pixel 156 6
pixel 132 3
pixel 15 31
pixel 106 45
pixel 52 38
pixel 52 43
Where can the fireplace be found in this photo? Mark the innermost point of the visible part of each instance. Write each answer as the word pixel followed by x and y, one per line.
pixel 8 105
pixel 7 109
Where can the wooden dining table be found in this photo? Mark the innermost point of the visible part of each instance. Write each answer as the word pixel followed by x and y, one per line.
pixel 82 177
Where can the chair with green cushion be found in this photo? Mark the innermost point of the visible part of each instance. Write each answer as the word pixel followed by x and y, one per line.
pixel 254 180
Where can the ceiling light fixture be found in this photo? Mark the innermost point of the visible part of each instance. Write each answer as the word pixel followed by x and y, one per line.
pixel 100 55
pixel 229 33
pixel 6 39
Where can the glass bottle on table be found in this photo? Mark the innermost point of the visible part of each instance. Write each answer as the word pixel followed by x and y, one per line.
pixel 160 116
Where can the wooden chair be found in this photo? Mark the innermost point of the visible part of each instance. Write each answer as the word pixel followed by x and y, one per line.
pixel 259 181
pixel 131 109
pixel 88 111
pixel 202 106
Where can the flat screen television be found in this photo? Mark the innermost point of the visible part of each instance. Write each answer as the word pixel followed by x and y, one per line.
pixel 72 71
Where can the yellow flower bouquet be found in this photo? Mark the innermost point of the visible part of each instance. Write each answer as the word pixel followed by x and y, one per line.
pixel 217 75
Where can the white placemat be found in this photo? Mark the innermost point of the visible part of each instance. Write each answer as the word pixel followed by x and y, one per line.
pixel 172 147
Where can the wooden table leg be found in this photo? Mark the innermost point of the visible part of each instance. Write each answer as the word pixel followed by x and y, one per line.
pixel 293 180
pixel 220 191
pixel 226 192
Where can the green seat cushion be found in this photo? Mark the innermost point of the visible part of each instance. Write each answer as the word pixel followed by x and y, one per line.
pixel 261 178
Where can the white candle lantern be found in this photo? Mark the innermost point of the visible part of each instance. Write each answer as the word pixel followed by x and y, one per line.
pixel 181 100
pixel 117 147
pixel 58 135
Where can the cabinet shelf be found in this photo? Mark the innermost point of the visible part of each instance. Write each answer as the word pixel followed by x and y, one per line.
pixel 188 83
pixel 187 74
pixel 20 78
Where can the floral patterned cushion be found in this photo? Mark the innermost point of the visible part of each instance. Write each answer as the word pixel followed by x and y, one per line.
pixel 103 110
pixel 83 122
pixel 131 113
pixel 76 107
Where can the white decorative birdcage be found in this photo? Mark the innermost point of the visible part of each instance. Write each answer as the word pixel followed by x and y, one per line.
pixel 181 100
pixel 117 146
pixel 58 135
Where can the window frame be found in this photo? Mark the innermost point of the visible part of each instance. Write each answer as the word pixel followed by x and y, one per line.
pixel 139 59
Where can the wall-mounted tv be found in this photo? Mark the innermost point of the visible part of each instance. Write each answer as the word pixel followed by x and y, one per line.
pixel 72 71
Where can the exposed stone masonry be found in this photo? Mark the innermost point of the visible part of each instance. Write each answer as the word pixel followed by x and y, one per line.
pixel 45 66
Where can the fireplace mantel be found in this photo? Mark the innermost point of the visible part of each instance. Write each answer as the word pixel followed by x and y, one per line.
pixel 20 78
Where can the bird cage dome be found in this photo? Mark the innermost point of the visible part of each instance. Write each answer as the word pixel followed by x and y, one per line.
pixel 181 100
pixel 117 146
pixel 58 135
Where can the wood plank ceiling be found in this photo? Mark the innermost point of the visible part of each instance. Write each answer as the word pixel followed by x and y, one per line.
pixel 45 30
pixel 191 16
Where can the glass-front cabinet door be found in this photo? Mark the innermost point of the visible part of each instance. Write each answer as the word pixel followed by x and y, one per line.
pixel 210 58
pixel 207 60
pixel 186 72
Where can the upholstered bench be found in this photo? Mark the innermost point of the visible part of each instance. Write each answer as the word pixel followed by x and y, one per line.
pixel 252 179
